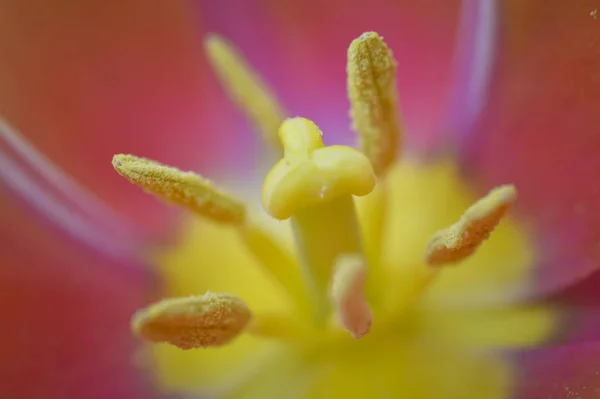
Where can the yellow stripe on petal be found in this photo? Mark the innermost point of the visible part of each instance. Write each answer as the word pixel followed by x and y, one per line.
pixel 193 322
pixel 212 256
pixel 182 188
pixel 507 327
pixel 373 97
pixel 246 88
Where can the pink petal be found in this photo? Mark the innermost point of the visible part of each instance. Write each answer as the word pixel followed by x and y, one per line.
pixel 65 312
pixel 539 127
pixel 84 80
pixel 560 373
pixel 300 46
pixel 580 305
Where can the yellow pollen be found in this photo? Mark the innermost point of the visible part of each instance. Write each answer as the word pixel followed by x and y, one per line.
pixel 246 88
pixel 353 310
pixel 193 322
pixel 182 188
pixel 373 97
pixel 460 240
pixel 311 173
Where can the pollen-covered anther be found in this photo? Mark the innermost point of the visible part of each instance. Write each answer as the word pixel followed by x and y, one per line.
pixel 310 173
pixel 183 188
pixel 373 94
pixel 460 240
pixel 352 309
pixel 193 322
pixel 246 88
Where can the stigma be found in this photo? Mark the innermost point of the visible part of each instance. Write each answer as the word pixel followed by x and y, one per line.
pixel 335 272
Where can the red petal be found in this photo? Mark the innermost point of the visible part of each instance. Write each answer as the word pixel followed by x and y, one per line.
pixel 85 80
pixel 539 129
pixel 65 311
pixel 580 304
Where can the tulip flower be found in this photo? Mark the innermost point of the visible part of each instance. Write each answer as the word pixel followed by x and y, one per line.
pixel 415 254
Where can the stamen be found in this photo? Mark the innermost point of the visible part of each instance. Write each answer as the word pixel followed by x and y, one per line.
pixel 276 261
pixel 373 97
pixel 373 213
pixel 353 310
pixel 182 188
pixel 460 240
pixel 193 322
pixel 246 88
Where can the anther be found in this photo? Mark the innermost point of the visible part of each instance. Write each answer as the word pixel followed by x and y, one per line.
pixel 460 240
pixel 373 97
pixel 183 188
pixel 193 322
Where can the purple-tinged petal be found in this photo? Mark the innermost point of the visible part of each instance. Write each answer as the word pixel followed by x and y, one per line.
pixel 580 303
pixel 565 372
pixel 474 58
pixel 300 46
pixel 538 130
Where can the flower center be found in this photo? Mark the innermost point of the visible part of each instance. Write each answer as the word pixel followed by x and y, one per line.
pixel 361 253
pixel 314 186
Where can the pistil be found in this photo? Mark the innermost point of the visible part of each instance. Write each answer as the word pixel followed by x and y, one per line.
pixel 314 185
pixel 323 232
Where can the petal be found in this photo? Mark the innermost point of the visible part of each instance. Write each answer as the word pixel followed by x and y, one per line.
pixel 537 130
pixel 212 257
pixel 66 312
pixel 561 372
pixel 499 328
pixel 300 46
pixel 85 80
pixel 569 368
pixel 580 304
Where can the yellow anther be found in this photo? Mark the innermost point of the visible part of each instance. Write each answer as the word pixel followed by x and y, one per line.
pixel 460 240
pixel 182 188
pixel 353 310
pixel 373 97
pixel 246 88
pixel 311 173
pixel 193 322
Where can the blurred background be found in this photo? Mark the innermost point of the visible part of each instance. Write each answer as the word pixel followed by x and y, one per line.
pixel 82 80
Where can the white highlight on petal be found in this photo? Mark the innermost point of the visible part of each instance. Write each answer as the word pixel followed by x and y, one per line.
pixel 67 204
pixel 475 58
